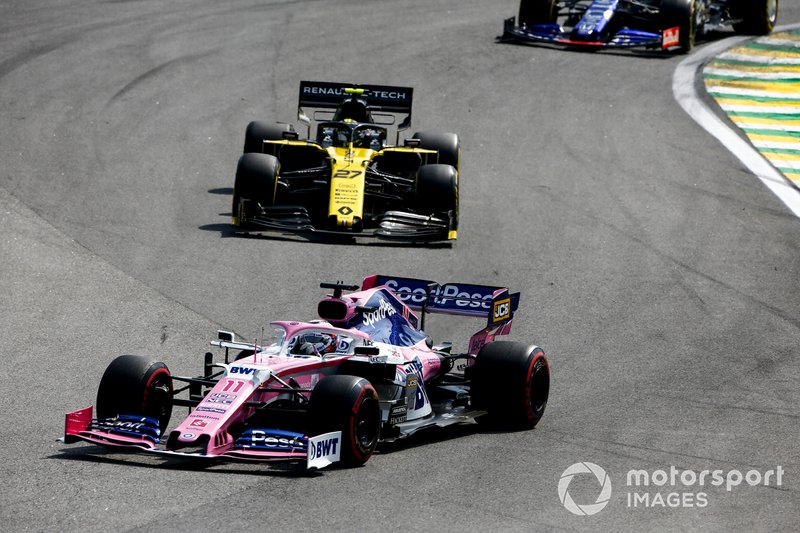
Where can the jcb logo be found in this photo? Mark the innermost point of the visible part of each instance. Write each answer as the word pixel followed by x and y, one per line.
pixel 502 310
pixel 347 174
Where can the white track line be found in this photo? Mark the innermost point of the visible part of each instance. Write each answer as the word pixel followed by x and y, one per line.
pixel 722 90
pixel 685 92
pixel 760 58
pixel 769 76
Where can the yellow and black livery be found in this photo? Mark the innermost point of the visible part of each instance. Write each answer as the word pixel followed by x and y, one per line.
pixel 347 176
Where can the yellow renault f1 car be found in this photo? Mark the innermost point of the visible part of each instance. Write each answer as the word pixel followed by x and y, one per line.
pixel 348 179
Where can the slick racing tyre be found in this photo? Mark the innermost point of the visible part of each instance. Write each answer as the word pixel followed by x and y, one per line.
pixel 256 181
pixel 135 385
pixel 258 132
pixel 758 16
pixel 447 144
pixel 348 404
pixel 681 13
pixel 537 12
pixel 437 191
pixel 511 381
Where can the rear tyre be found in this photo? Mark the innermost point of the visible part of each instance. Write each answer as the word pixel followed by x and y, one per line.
pixel 681 13
pixel 447 144
pixel 758 16
pixel 348 404
pixel 257 132
pixel 135 385
pixel 437 191
pixel 537 12
pixel 511 381
pixel 256 181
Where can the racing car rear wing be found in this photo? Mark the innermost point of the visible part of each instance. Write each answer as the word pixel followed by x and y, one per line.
pixel 330 95
pixel 495 304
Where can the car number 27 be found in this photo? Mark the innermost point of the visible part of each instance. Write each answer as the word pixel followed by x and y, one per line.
pixel 348 174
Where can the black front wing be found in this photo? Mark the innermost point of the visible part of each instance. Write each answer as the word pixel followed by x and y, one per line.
pixel 392 225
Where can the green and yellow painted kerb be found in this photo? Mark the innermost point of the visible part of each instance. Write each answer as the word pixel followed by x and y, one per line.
pixel 758 87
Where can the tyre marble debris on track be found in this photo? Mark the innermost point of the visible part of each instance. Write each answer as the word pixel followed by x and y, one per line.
pixel 758 86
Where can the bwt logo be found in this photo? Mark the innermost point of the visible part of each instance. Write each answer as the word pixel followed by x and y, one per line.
pixel 587 509
pixel 242 370
pixel 502 309
pixel 323 448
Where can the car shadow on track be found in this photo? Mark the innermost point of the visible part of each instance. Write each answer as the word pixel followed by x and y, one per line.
pixel 429 436
pixel 441 434
pixel 92 453
pixel 227 231
pixel 655 54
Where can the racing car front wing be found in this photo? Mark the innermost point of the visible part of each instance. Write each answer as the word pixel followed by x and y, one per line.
pixel 141 433
pixel 393 225
pixel 555 34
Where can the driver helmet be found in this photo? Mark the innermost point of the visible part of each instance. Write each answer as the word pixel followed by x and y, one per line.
pixel 317 344
pixel 354 109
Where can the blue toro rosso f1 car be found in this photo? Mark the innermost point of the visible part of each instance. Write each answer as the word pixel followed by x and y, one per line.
pixel 329 389
pixel 667 24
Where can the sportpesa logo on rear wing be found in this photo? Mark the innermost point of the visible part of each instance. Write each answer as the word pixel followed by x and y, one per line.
pixel 495 304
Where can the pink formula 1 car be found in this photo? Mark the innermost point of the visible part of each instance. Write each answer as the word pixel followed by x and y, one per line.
pixel 329 390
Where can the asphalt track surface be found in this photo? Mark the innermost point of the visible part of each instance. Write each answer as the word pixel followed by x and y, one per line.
pixel 659 276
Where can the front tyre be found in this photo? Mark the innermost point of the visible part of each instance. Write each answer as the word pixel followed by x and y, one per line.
pixel 256 181
pixel 257 132
pixel 348 404
pixel 511 381
pixel 136 385
pixel 437 192
pixel 446 144
pixel 683 14
pixel 537 12
pixel 758 16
